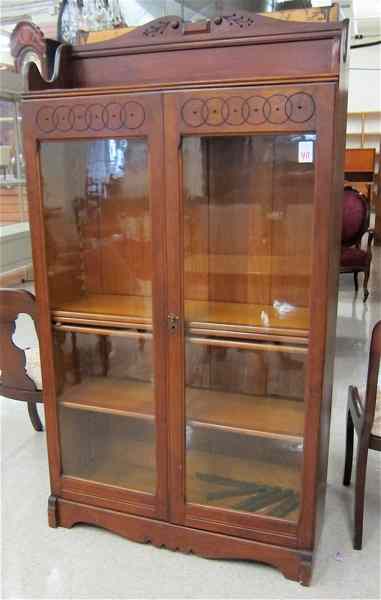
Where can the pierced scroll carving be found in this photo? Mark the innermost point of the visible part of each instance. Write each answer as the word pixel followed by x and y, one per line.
pixel 27 38
pixel 235 20
pixel 159 27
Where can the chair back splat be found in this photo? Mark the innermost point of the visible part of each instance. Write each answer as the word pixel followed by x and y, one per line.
pixel 356 215
pixel 355 224
pixel 14 380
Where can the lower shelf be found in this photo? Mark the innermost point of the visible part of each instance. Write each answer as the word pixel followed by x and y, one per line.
pixel 245 483
pixel 267 416
pixel 257 415
pixel 111 395
pixel 106 449
pixel 133 477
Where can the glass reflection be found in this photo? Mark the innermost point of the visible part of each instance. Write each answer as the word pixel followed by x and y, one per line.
pixel 98 227
pixel 144 11
pixel 248 229
pixel 245 424
pixel 105 390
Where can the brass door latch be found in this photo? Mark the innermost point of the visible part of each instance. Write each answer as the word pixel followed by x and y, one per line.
pixel 173 322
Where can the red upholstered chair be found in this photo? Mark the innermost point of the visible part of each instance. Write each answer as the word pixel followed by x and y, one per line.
pixel 355 224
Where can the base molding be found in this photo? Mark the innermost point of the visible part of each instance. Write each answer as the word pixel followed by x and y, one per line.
pixel 294 564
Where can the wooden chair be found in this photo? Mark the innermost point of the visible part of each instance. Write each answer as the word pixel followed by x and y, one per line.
pixel 355 224
pixel 14 381
pixel 364 416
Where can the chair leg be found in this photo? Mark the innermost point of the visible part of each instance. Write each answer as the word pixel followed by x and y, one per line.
pixel 348 450
pixel 365 286
pixel 34 417
pixel 356 280
pixel 362 459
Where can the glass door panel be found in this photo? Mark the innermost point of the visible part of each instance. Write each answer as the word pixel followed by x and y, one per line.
pixel 247 226
pixel 104 385
pixel 98 228
pixel 244 425
pixel 97 218
pixel 248 202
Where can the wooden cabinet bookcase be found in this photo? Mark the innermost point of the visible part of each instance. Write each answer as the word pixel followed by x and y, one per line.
pixel 184 185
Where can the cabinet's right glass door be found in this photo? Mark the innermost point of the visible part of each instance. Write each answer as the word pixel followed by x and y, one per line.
pixel 248 203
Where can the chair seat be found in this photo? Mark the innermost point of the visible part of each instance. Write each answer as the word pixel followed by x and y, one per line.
pixel 376 428
pixel 353 257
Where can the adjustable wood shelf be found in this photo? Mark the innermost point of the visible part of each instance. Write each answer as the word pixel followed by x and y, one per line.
pixel 123 311
pixel 246 414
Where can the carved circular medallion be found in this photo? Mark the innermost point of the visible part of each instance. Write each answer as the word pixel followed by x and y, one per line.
pixel 63 118
pixel 134 115
pixel 300 107
pixel 44 119
pixel 214 111
pixel 254 110
pixel 192 112
pixel 94 117
pixel 236 111
pixel 113 115
pixel 274 109
pixel 79 117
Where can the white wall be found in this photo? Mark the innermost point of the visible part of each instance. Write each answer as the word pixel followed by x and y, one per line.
pixel 364 96
pixel 365 79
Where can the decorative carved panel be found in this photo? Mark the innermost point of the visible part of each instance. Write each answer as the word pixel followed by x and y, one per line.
pixel 253 110
pixel 27 38
pixel 94 116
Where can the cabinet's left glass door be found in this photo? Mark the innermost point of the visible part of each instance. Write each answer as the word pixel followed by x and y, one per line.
pixel 98 244
pixel 98 229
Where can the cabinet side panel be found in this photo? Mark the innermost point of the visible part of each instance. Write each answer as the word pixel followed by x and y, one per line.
pixel 41 284
pixel 333 285
pixel 322 296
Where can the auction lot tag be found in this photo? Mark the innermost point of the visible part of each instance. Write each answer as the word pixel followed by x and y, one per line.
pixel 306 152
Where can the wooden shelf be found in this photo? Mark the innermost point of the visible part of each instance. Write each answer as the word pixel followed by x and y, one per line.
pixel 122 311
pixel 111 308
pixel 128 474
pixel 136 478
pixel 253 415
pixel 260 317
pixel 250 415
pixel 109 395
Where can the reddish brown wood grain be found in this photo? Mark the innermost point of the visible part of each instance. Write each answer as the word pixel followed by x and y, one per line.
pixel 180 80
pixel 294 564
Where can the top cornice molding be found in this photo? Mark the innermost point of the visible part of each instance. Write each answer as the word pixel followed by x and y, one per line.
pixel 241 28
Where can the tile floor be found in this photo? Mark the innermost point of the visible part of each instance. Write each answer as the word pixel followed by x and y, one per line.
pixel 85 562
